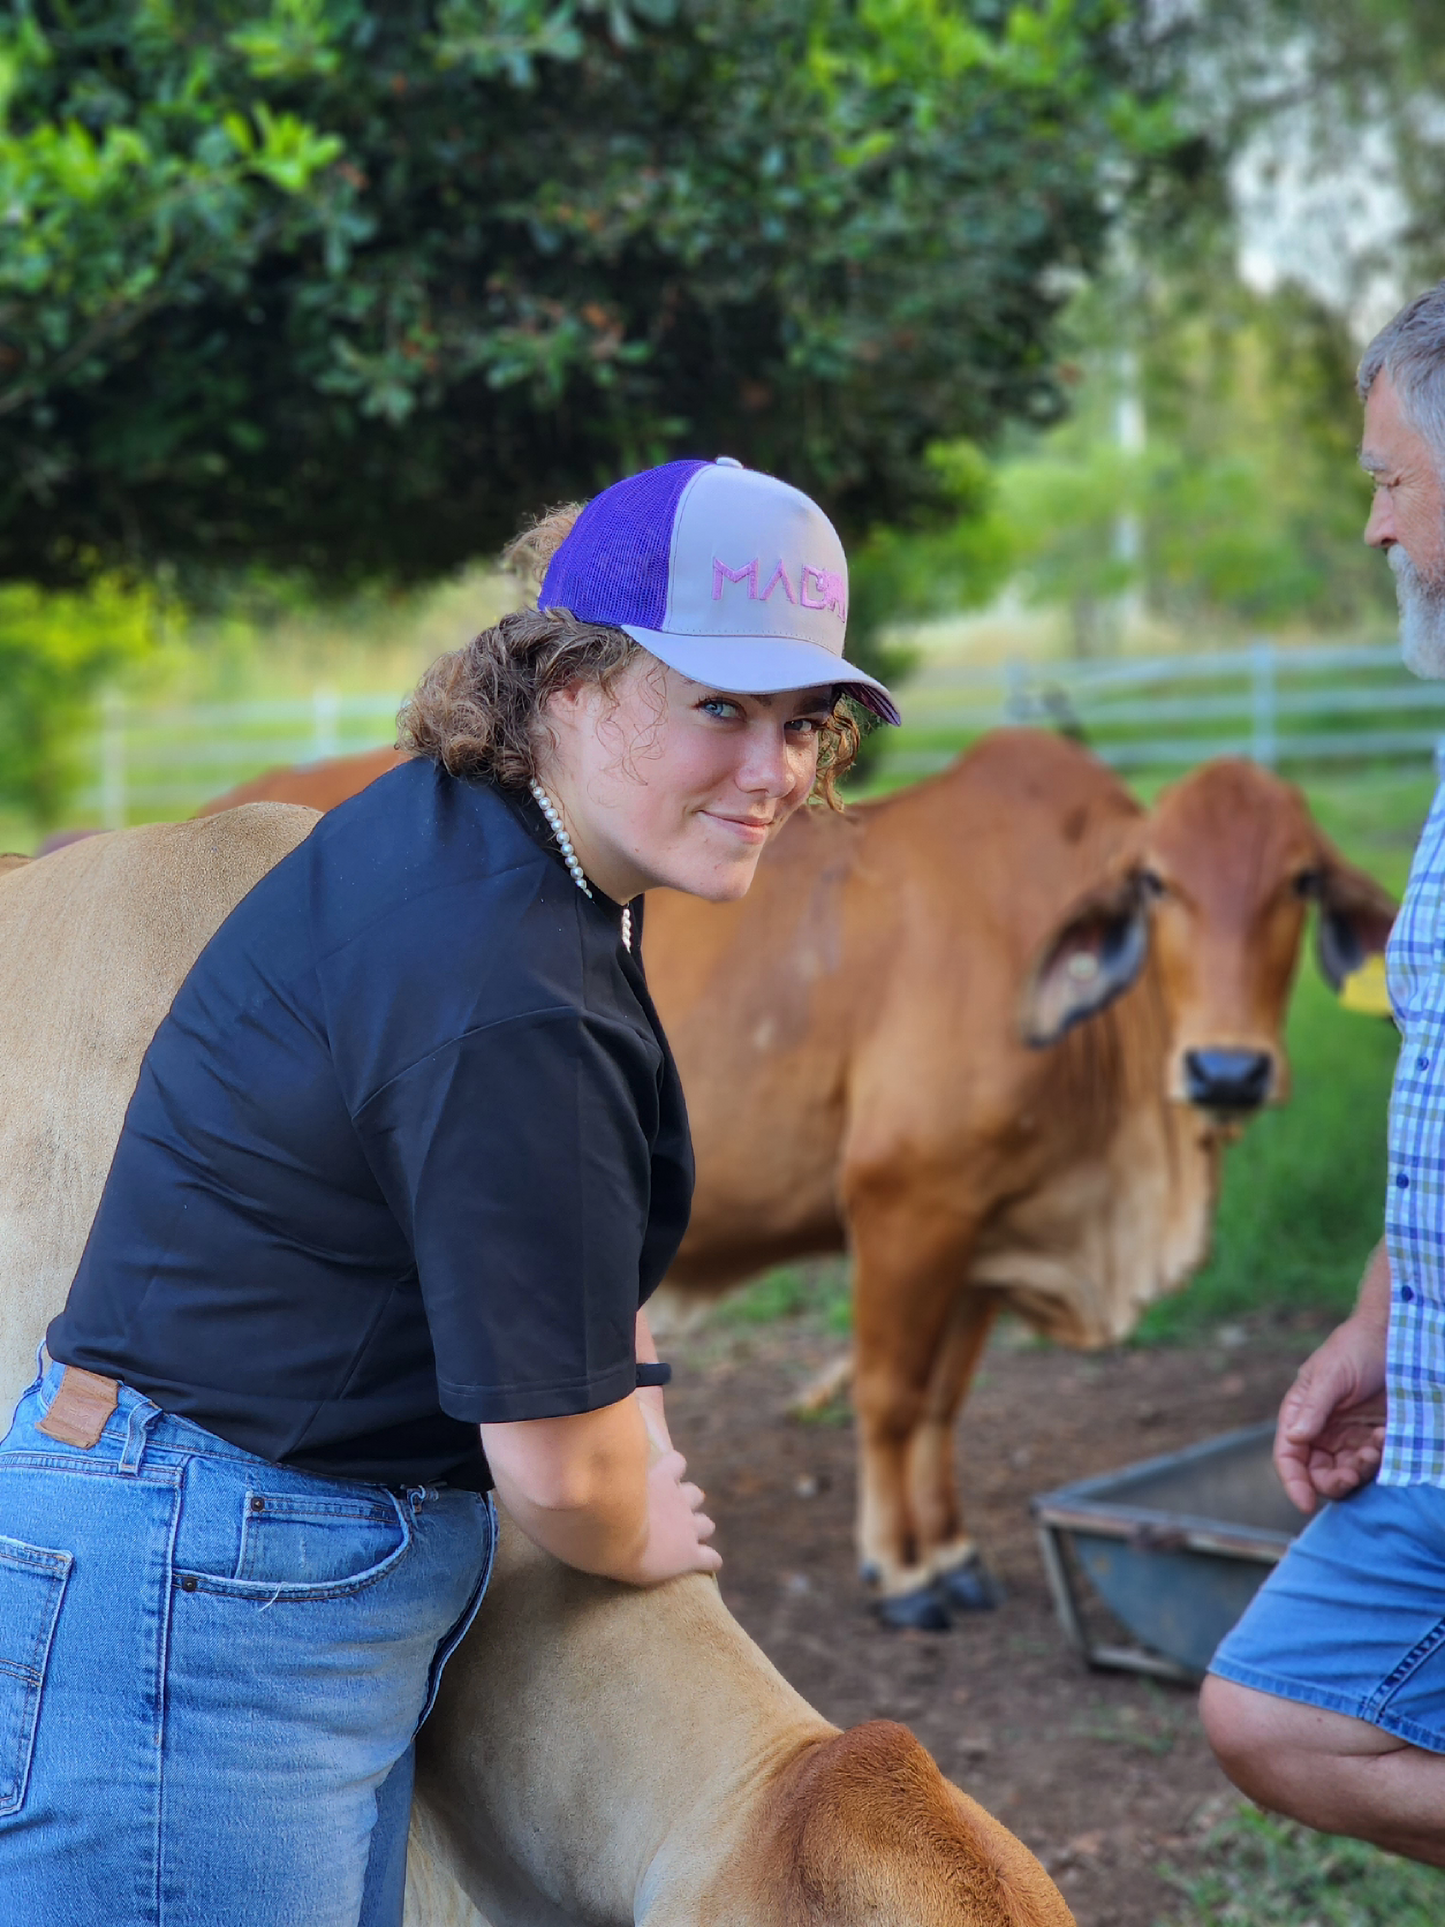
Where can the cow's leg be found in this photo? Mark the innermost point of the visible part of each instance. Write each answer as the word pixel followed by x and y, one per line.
pixel 908 1263
pixel 943 1545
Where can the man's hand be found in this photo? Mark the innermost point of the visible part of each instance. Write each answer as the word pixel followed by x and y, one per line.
pixel 1331 1430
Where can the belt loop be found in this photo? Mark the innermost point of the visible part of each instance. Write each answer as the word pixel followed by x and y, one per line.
pixel 142 1416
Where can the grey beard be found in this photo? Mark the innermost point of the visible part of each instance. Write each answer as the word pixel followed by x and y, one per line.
pixel 1422 617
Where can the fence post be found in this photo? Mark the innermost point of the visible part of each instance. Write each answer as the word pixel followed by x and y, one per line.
pixel 1015 691
pixel 112 760
pixel 325 724
pixel 1266 746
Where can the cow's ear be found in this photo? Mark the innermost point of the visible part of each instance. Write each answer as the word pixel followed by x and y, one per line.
pixel 1090 960
pixel 1355 915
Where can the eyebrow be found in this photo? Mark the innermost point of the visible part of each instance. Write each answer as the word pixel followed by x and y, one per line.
pixel 1373 464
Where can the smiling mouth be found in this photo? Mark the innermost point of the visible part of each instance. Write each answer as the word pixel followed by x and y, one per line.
pixel 750 829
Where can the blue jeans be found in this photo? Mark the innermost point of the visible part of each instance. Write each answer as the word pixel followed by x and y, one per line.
pixel 211 1672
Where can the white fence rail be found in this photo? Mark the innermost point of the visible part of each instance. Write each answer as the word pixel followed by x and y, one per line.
pixel 1275 704
pixel 169 760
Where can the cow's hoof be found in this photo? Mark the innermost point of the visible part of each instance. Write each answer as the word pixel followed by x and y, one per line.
pixel 970 1588
pixel 920 1611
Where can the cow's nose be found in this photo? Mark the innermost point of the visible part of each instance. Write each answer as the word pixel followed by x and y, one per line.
pixel 1228 1080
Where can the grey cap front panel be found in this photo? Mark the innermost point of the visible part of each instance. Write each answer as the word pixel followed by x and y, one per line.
pixel 753 556
pixel 762 665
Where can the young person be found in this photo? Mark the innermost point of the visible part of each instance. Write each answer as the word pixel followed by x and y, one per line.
pixel 403 1162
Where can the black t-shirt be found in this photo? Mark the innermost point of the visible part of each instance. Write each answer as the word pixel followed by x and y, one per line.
pixel 407 1153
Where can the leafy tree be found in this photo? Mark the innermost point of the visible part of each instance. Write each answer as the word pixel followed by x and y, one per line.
pixel 346 289
pixel 54 649
pixel 1248 498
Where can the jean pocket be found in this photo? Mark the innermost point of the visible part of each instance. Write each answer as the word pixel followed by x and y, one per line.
pixel 32 1582
pixel 294 1539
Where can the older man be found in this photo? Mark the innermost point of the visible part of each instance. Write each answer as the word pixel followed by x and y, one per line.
pixel 1327 1701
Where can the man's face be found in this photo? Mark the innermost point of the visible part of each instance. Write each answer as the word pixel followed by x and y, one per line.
pixel 1407 521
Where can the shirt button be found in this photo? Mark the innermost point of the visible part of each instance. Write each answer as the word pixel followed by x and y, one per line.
pixel 1422 1063
pixel 1406 1295
pixel 1402 1183
pixel 189 1582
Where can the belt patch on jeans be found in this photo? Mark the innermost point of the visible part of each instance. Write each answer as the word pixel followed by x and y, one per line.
pixel 82 1404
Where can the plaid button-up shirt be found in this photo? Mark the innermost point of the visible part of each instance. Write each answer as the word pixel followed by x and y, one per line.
pixel 1415 1197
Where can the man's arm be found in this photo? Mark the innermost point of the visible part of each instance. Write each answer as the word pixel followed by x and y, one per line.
pixel 1331 1430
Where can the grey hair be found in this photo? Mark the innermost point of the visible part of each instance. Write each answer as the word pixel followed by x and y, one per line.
pixel 1411 351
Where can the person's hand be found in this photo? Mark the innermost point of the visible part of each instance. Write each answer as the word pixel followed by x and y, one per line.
pixel 677 1527
pixel 1331 1430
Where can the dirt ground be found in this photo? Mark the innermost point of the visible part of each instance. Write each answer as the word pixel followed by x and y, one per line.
pixel 1105 1775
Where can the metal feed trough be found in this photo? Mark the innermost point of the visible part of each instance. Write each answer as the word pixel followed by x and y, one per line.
pixel 1175 1546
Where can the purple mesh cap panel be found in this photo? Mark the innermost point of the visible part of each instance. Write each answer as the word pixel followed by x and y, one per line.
pixel 613 567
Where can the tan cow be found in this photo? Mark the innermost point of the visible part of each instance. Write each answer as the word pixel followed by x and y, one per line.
pixel 598 1755
pixel 884 1049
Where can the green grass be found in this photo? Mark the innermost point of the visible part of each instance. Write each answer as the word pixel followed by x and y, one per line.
pixel 1264 1872
pixel 817 1291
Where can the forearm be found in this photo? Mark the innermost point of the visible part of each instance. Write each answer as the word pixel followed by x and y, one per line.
pixel 649 1397
pixel 603 1490
pixel 1372 1306
pixel 577 1487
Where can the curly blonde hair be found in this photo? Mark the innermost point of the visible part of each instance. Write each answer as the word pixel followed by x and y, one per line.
pixel 479 710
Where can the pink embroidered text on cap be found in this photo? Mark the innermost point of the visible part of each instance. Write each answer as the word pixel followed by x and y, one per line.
pixel 832 590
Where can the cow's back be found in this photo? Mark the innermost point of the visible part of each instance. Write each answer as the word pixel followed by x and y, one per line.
pixel 94 943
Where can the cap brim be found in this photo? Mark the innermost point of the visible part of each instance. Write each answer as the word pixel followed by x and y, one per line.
pixel 762 665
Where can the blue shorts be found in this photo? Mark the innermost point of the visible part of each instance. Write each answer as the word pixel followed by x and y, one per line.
pixel 1353 1617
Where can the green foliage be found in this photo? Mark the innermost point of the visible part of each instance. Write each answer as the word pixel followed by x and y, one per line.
pixel 1264 1872
pixel 54 651
pixel 957 562
pixel 1248 497
pixel 327 286
pixel 1357 86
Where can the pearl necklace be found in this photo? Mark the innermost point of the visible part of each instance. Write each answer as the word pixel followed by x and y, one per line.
pixel 569 855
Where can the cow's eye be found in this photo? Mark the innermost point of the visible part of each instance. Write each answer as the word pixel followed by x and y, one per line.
pixel 1153 885
pixel 1309 883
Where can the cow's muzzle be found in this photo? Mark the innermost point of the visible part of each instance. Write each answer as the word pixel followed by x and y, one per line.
pixel 1228 1080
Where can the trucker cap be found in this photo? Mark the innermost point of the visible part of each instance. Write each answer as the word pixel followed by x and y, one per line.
pixel 727 575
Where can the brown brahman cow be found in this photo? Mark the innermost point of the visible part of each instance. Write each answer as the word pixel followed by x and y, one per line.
pixel 598 1755
pixel 884 1048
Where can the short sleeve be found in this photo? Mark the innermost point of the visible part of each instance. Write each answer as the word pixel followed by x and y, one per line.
pixel 517 1159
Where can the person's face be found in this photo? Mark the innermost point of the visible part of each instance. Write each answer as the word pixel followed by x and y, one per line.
pixel 1407 521
pixel 667 782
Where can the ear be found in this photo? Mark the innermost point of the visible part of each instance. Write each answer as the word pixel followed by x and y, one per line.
pixel 1355 915
pixel 1092 958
